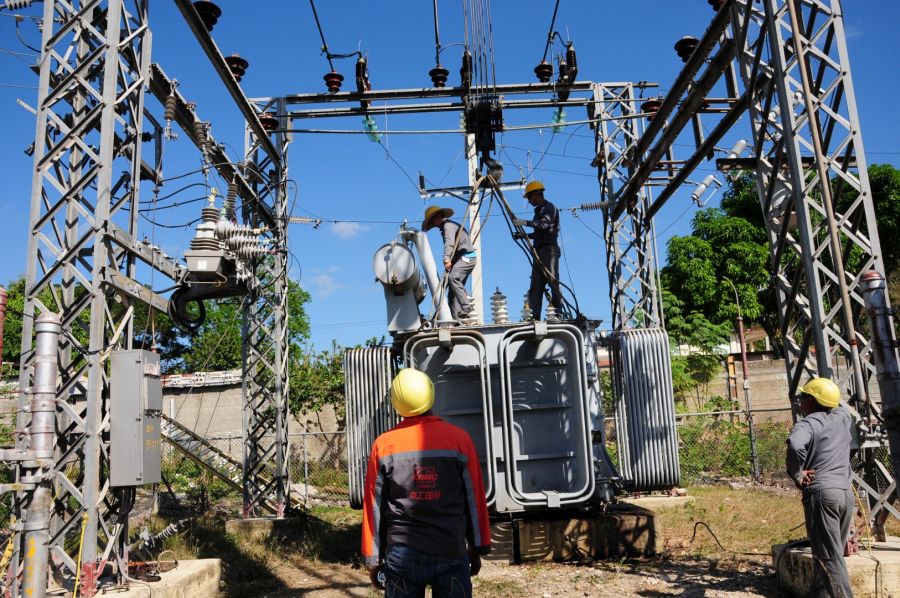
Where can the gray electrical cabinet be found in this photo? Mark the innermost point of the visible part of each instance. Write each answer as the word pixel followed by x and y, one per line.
pixel 135 391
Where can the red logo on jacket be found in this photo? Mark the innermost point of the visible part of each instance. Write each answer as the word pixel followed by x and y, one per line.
pixel 425 476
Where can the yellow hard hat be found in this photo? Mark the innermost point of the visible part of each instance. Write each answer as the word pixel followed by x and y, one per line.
pixel 412 392
pixel 431 212
pixel 824 391
pixel 533 186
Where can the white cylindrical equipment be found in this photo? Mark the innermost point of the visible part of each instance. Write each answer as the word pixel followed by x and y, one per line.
pixel 395 266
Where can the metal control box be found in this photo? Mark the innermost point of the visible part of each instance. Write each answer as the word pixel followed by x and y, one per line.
pixel 135 408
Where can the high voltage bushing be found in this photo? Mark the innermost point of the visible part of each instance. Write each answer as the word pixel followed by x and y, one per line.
pixel 238 66
pixel 269 121
pixel 568 66
pixel 362 75
pixel 206 237
pixel 527 314
pixel 552 315
pixel 465 71
pixel 544 71
pixel 439 76
pixel 499 308
pixel 230 201
pixel 686 46
pixel 209 13
pixel 333 81
pixel 651 107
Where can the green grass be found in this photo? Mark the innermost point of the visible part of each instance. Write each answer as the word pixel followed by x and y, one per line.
pixel 745 521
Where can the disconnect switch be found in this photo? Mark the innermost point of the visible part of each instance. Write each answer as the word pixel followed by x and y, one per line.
pixel 135 409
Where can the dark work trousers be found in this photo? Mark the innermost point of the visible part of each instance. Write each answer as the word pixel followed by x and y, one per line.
pixel 828 515
pixel 456 281
pixel 407 572
pixel 549 257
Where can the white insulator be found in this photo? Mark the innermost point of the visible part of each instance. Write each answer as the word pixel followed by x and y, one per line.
pixel 702 187
pixel 226 229
pixel 18 4
pixel 552 316
pixel 738 149
pixel 499 307
pixel 527 315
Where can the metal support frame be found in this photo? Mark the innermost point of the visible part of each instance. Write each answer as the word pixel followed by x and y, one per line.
pixel 265 335
pixel 814 189
pixel 629 239
pixel 84 209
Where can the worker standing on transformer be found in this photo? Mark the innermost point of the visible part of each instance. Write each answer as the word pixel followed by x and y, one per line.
pixel 545 267
pixel 459 257
pixel 818 460
pixel 424 500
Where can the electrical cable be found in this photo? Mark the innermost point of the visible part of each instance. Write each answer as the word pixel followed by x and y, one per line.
pixel 711 533
pixel 22 39
pixel 405 173
pixel 550 32
pixel 530 252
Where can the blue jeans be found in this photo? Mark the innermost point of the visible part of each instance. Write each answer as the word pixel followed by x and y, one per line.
pixel 408 571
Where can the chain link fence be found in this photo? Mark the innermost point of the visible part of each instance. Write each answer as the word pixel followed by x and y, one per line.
pixel 317 468
pixel 713 446
pixel 719 445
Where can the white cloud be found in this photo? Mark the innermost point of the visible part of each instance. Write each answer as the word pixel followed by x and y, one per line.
pixel 347 230
pixel 324 285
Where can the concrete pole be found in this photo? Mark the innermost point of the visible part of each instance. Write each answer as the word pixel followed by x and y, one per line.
pixel 748 403
pixel 42 441
pixel 884 348
pixel 3 299
pixel 475 231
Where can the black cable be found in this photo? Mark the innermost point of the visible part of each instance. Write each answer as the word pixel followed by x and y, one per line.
pixel 550 32
pixel 388 154
pixel 325 51
pixel 22 39
pixel 321 33
pixel 711 533
pixel 185 225
pixel 176 192
pixel 176 204
pixel 437 36
pixel 532 255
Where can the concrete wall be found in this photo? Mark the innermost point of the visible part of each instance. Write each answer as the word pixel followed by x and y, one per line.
pixel 768 384
pixel 216 411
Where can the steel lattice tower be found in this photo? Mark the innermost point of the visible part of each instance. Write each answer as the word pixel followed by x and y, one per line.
pixel 82 252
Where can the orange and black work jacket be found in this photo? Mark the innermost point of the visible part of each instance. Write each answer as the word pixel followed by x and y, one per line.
pixel 424 490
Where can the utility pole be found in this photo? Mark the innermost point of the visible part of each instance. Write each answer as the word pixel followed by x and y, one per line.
pixel 475 228
pixel 748 404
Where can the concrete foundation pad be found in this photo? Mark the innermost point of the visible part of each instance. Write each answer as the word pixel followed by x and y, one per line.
pixel 871 575
pixel 623 530
pixel 190 579
pixel 263 529
pixel 655 503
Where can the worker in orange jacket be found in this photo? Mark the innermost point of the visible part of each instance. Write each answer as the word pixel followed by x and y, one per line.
pixel 425 520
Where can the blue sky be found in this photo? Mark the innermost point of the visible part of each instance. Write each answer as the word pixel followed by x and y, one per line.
pixel 347 177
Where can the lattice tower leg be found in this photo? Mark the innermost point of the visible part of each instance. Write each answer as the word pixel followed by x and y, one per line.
pixel 630 244
pixel 93 71
pixel 815 194
pixel 266 343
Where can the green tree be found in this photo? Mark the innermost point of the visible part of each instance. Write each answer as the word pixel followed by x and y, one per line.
pixel 725 244
pixel 317 379
pixel 217 343
pixel 699 342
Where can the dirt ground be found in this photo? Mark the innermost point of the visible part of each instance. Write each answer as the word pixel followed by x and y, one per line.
pixel 632 578
pixel 715 545
pixel 324 563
